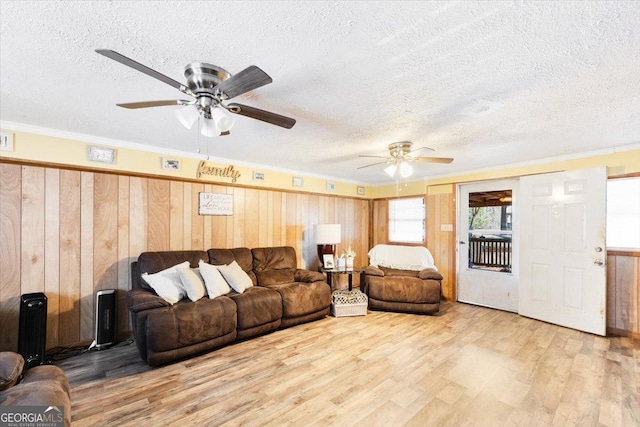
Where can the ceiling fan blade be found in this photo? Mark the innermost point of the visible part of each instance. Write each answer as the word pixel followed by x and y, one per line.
pixel 372 164
pixel 265 116
pixel 143 69
pixel 147 104
pixel 248 79
pixel 376 157
pixel 433 159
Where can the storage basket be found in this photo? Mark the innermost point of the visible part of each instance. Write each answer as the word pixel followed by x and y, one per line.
pixel 349 303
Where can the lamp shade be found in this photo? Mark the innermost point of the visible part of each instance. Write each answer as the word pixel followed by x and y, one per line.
pixel 187 115
pixel 328 234
pixel 405 169
pixel 391 170
pixel 209 128
pixel 224 121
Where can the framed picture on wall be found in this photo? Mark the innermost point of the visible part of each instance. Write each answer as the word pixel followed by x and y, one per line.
pixel 215 204
pixel 170 164
pixel 327 261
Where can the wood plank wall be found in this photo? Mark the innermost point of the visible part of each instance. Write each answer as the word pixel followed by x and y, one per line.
pixel 623 293
pixel 70 233
pixel 441 210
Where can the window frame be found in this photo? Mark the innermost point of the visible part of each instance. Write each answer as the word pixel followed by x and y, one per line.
pixel 390 220
pixel 617 249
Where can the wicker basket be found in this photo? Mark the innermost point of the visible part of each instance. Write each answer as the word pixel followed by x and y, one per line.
pixel 349 303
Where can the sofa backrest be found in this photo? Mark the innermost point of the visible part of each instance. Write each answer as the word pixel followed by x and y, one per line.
pixel 274 266
pixel 401 257
pixel 152 262
pixel 226 256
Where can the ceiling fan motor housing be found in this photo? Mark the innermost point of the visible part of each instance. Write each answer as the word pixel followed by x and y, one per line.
pixel 399 150
pixel 204 77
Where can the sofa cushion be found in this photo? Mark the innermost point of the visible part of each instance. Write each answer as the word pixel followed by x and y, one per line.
pixel 192 282
pixel 235 277
pixel 226 256
pixel 274 266
pixel 401 257
pixel 388 272
pixel 11 365
pixel 403 289
pixel 299 299
pixel 167 283
pixel 188 323
pixel 213 280
pixel 257 306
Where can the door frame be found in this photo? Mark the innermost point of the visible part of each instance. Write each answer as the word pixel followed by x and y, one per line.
pixel 511 280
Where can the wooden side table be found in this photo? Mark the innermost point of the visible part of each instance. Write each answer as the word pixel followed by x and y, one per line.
pixel 348 271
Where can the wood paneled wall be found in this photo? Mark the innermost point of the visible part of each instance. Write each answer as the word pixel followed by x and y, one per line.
pixel 70 233
pixel 441 211
pixel 623 293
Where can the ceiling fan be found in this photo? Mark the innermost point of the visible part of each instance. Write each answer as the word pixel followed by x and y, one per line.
pixel 210 86
pixel 400 159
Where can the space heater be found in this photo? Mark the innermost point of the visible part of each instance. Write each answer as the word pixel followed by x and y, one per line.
pixel 32 329
pixel 106 319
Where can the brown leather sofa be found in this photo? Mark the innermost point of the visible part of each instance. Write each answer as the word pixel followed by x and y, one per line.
pixel 45 385
pixel 282 296
pixel 403 290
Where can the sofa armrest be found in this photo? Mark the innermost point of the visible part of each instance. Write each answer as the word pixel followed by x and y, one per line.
pixel 11 365
pixel 141 299
pixel 373 271
pixel 429 273
pixel 308 276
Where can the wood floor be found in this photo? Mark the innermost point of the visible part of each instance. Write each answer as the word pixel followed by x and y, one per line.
pixel 466 366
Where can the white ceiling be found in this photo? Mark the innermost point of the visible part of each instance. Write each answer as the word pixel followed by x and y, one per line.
pixel 488 83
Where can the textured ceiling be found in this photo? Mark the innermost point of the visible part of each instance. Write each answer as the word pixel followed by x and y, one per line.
pixel 488 83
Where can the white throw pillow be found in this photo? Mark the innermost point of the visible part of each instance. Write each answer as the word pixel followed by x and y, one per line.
pixel 167 283
pixel 237 278
pixel 192 283
pixel 213 280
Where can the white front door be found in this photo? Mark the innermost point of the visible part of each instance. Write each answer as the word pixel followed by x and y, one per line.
pixel 487 244
pixel 562 249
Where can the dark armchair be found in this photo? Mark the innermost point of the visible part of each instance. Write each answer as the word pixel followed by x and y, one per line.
pixel 403 278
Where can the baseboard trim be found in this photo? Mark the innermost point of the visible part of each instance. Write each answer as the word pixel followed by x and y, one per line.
pixel 622 333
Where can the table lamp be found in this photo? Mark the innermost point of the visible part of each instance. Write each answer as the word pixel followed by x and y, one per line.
pixel 327 236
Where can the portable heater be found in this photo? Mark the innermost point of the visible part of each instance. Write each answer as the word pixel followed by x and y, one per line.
pixel 106 319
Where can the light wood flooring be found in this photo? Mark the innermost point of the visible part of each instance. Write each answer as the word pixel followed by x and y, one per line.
pixel 466 366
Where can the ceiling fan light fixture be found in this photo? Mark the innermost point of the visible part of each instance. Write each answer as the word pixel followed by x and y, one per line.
pixel 391 170
pixel 223 120
pixel 209 128
pixel 187 116
pixel 405 169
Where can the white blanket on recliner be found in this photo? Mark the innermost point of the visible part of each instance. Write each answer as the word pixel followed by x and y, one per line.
pixel 401 257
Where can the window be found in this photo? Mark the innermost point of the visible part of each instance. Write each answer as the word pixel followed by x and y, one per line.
pixel 406 220
pixel 623 213
pixel 490 230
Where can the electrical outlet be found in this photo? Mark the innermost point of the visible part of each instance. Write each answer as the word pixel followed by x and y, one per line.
pixel 297 181
pixel 446 227
pixel 258 176
pixel 331 186
pixel 6 141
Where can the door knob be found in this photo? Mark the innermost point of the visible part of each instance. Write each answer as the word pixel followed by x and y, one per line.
pixel 461 242
pixel 598 262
